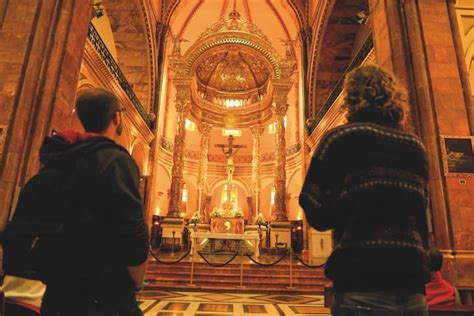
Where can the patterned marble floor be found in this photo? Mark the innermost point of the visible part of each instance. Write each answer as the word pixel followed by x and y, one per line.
pixel 177 303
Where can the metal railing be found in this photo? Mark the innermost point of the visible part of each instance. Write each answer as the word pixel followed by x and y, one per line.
pixel 193 251
pixel 99 45
pixel 356 61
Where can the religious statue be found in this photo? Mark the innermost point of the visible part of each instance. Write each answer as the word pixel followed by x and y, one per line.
pixel 229 153
pixel 230 164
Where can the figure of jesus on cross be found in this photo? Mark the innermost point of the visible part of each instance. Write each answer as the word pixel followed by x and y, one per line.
pixel 229 152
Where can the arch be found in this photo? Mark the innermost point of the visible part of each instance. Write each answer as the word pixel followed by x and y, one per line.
pixel 469 55
pixel 139 154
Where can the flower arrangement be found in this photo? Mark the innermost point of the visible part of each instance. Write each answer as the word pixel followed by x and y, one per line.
pixel 216 213
pixel 237 213
pixel 196 218
pixel 259 220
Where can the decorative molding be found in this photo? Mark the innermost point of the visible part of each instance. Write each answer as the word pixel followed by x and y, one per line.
pixel 301 18
pixel 268 54
pixel 168 146
pixel 97 42
pixel 151 54
pixel 97 73
pixel 322 12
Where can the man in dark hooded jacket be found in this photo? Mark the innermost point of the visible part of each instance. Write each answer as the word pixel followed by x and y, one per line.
pixel 105 236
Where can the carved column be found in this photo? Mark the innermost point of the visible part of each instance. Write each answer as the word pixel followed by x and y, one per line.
pixel 280 107
pixel 42 44
pixel 202 171
pixel 257 132
pixel 183 94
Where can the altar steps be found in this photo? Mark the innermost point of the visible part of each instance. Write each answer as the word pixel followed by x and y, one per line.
pixel 256 278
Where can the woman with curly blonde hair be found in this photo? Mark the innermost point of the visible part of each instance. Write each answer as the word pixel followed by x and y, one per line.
pixel 372 94
pixel 368 182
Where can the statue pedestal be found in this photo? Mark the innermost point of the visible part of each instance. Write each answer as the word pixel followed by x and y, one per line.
pixel 227 225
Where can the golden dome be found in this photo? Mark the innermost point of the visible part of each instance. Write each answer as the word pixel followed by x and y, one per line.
pixel 234 69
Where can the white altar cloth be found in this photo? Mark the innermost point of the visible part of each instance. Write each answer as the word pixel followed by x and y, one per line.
pixel 246 237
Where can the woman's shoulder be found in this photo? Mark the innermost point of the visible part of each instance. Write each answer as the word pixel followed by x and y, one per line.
pixel 370 130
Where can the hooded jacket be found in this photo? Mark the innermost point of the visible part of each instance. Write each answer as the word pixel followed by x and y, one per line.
pixel 106 231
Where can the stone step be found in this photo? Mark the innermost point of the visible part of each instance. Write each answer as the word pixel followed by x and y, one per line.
pixel 256 278
pixel 253 288
pixel 256 271
pixel 212 277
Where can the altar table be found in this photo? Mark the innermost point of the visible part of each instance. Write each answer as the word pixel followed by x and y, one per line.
pixel 245 237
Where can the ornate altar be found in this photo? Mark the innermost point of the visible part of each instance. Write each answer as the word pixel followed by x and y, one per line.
pixel 227 225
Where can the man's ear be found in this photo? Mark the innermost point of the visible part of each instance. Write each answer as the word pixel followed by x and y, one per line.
pixel 116 118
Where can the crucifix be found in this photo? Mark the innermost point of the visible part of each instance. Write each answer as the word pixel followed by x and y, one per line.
pixel 229 152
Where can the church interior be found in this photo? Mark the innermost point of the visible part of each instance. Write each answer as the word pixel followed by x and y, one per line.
pixel 226 102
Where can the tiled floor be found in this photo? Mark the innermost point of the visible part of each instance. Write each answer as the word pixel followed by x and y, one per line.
pixel 177 303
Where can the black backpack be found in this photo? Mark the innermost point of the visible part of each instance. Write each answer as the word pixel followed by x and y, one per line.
pixel 32 239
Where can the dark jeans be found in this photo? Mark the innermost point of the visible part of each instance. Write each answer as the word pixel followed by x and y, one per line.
pixel 62 304
pixel 379 303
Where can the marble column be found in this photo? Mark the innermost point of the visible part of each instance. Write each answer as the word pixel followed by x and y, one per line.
pixel 257 132
pixel 202 171
pixel 279 110
pixel 39 66
pixel 415 40
pixel 183 94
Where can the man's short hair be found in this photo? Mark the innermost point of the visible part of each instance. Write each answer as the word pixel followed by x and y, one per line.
pixel 95 108
pixel 436 258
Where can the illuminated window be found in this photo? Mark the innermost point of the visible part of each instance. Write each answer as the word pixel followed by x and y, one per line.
pixel 231 103
pixel 272 127
pixel 184 196
pixel 233 132
pixel 233 195
pixel 272 196
pixel 189 125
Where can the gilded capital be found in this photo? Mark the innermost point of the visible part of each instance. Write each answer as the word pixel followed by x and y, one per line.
pixel 280 109
pixel 257 130
pixel 204 128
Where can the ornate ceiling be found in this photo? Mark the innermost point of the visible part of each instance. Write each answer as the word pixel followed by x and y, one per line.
pixel 337 46
pixel 232 69
pixel 276 20
pixel 230 66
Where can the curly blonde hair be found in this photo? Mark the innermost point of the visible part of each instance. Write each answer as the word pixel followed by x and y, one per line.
pixel 373 94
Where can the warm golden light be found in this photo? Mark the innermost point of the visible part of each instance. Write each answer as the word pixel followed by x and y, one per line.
pixel 189 125
pixel 232 103
pixel 272 126
pixel 233 132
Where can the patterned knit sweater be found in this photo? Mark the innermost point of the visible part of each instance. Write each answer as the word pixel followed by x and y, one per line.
pixel 369 184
